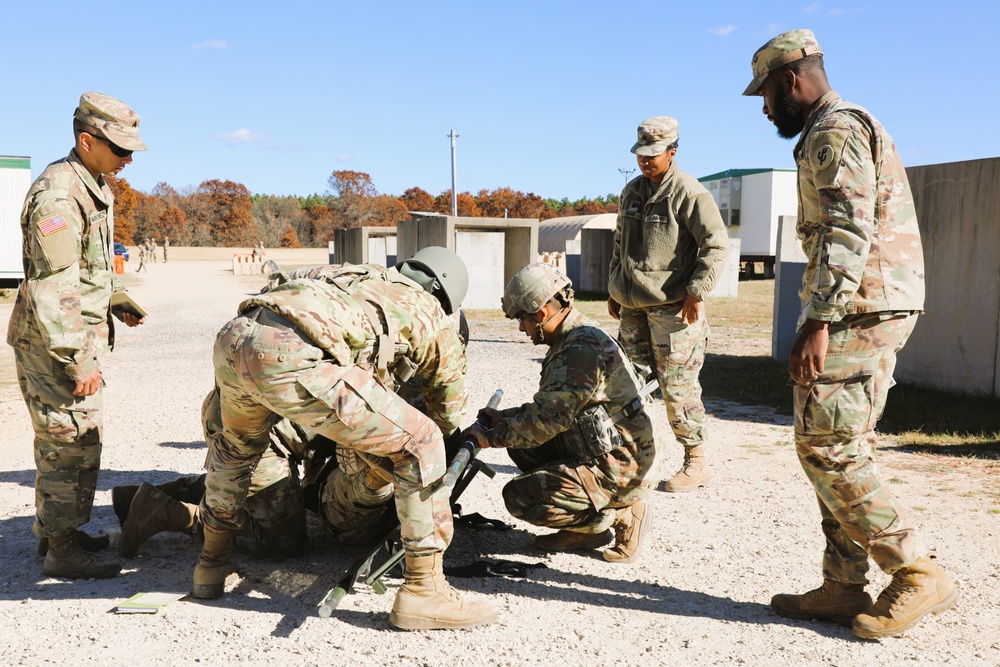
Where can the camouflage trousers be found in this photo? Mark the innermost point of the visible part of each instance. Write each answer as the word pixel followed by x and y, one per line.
pixel 557 493
pixel 354 498
pixel 658 338
pixel 266 371
pixel 835 439
pixel 68 435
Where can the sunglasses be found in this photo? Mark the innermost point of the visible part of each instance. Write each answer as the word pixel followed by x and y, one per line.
pixel 117 150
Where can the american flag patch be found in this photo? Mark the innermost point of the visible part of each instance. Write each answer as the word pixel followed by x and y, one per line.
pixel 52 225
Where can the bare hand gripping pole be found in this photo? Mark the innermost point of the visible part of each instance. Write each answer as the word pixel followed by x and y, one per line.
pixel 468 449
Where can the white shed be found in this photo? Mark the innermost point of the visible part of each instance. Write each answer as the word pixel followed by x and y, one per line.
pixel 15 179
pixel 750 201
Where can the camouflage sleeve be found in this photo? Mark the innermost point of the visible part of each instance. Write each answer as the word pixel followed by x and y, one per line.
pixel 703 220
pixel 54 233
pixel 569 381
pixel 844 176
pixel 442 367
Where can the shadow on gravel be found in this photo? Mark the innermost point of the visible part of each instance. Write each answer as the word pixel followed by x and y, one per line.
pixel 106 480
pixel 194 444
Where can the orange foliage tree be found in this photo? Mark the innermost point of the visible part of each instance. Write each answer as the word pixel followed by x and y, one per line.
pixel 124 210
pixel 231 212
pixel 417 199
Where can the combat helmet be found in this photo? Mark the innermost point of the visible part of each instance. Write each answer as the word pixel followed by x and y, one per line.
pixel 531 288
pixel 441 272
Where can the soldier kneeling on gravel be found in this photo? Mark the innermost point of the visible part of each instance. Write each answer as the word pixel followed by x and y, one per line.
pixel 585 442
pixel 318 354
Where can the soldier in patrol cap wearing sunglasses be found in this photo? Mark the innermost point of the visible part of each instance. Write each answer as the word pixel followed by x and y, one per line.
pixel 61 327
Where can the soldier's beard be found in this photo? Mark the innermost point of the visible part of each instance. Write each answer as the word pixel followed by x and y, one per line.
pixel 788 117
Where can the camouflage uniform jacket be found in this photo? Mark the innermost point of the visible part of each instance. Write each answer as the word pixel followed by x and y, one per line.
pixel 334 307
pixel 584 367
pixel 857 221
pixel 62 307
pixel 670 241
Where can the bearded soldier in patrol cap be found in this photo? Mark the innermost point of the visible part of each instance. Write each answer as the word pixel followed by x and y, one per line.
pixel 320 354
pixel 861 293
pixel 585 442
pixel 60 328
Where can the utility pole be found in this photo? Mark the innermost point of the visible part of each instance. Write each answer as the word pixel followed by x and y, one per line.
pixel 626 173
pixel 454 180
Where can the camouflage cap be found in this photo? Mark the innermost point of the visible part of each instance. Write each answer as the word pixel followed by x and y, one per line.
pixel 655 134
pixel 783 49
pixel 112 118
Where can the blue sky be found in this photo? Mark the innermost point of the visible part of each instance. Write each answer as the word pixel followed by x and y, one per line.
pixel 545 96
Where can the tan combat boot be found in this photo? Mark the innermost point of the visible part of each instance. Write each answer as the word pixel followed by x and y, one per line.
pixel 915 591
pixel 833 601
pixel 631 526
pixel 188 489
pixel 152 511
pixel 86 541
pixel 65 558
pixel 214 566
pixel 568 540
pixel 694 473
pixel 426 601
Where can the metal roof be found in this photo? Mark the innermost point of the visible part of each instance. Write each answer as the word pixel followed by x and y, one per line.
pixel 729 173
pixel 554 232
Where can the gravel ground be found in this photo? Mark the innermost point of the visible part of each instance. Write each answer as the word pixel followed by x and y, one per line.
pixel 698 596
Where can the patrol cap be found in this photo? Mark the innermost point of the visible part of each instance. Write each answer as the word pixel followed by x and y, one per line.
pixel 655 134
pixel 112 118
pixel 781 50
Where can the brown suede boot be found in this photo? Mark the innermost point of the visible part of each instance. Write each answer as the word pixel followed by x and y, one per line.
pixel 915 591
pixel 187 489
pixel 631 526
pixel 153 512
pixel 65 558
pixel 568 540
pixel 694 473
pixel 833 601
pixel 87 542
pixel 214 566
pixel 426 601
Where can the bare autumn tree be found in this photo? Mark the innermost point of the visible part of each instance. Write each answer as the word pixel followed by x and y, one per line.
pixel 352 194
pixel 124 211
pixel 273 215
pixel 231 212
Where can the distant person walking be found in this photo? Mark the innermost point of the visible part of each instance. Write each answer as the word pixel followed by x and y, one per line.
pixel 142 260
pixel 670 246
pixel 60 328
pixel 861 293
pixel 166 248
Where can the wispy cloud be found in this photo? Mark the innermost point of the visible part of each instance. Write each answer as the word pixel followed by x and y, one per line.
pixel 345 157
pixel 241 136
pixel 813 8
pixel 722 30
pixel 216 44
pixel 836 11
